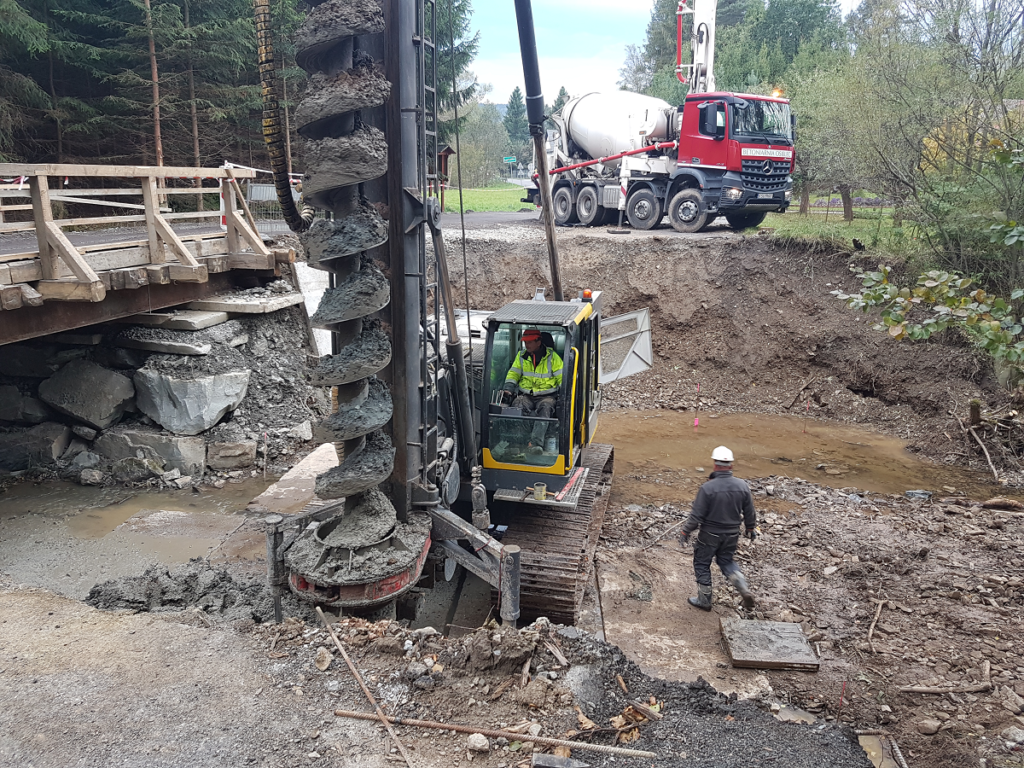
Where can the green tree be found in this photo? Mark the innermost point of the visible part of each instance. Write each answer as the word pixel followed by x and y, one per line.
pixel 515 121
pixel 456 50
pixel 483 140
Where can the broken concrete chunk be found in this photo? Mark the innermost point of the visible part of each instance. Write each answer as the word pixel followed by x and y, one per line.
pixel 231 455
pixel 89 393
pixel 91 477
pixel 182 482
pixel 84 432
pixel 165 347
pixel 133 470
pixel 185 454
pixel 189 406
pixel 303 432
pixel 168 477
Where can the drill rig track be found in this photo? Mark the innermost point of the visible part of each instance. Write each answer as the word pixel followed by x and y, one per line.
pixel 558 545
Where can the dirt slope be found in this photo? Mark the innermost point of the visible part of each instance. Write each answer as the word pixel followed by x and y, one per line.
pixel 750 322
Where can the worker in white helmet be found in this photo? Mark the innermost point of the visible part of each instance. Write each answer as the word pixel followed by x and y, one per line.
pixel 723 506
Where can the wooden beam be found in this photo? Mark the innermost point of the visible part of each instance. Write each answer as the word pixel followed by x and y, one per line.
pixel 69 254
pixel 186 273
pixel 284 255
pixel 5 275
pixel 230 216
pixel 25 271
pixel 156 248
pixel 217 263
pixel 250 261
pixel 159 274
pixel 134 277
pixel 42 215
pixel 30 296
pixel 71 290
pixel 10 297
pixel 118 171
pixel 171 239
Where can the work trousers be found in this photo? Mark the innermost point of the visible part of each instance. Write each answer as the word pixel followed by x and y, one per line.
pixel 720 547
pixel 536 405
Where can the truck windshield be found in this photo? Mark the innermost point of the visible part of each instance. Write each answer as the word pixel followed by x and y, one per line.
pixel 764 119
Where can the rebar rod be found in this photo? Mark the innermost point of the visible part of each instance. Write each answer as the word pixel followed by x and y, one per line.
pixel 493 734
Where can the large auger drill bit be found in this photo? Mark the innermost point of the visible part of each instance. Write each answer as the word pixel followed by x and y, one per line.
pixel 361 556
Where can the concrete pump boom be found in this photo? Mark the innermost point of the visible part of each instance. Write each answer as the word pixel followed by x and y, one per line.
pixel 700 72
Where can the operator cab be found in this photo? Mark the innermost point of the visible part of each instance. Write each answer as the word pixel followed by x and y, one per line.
pixel 572 330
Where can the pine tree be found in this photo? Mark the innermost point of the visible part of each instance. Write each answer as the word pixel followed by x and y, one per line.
pixel 515 119
pixel 456 50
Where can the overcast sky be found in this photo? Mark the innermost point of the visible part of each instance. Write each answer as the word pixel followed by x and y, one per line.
pixel 581 44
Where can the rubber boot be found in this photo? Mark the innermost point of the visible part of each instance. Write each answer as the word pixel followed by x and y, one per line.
pixel 739 581
pixel 703 598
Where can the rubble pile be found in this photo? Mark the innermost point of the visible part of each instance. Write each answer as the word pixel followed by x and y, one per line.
pixel 163 406
pixel 539 681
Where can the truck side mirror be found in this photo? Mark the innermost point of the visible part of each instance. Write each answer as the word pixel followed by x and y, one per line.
pixel 792 127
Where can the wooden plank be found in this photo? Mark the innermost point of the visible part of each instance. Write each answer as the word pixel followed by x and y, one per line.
pixel 42 214
pixel 10 297
pixel 19 256
pixel 119 171
pixel 71 290
pixel 134 277
pixel 284 255
pixel 230 215
pixel 25 271
pixel 241 199
pixel 5 275
pixel 17 226
pixel 186 273
pixel 87 201
pixel 69 254
pixel 127 219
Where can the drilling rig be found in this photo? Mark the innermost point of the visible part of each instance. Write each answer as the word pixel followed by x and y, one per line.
pixel 430 460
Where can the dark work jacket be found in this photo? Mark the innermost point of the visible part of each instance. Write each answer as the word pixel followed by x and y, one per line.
pixel 722 505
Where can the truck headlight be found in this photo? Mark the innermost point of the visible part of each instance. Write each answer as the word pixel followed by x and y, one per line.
pixel 789 194
pixel 732 193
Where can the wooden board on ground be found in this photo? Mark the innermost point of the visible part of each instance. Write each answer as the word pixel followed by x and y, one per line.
pixel 247 305
pixel 767 645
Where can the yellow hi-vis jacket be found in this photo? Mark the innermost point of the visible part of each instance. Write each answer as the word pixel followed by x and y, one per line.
pixel 544 379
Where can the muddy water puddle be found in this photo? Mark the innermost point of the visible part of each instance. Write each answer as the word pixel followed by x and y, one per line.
pixel 68 537
pixel 660 457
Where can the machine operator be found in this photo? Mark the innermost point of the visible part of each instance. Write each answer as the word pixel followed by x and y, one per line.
pixel 534 380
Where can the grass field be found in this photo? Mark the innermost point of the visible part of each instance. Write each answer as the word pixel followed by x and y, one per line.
pixel 506 197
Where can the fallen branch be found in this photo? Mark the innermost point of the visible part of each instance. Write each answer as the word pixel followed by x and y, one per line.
pixel 524 679
pixel 493 734
pixel 662 535
pixel 622 683
pixel 871 629
pixel 646 711
pixel 984 685
pixel 985 451
pixel 556 653
pixel 359 679
pixel 801 391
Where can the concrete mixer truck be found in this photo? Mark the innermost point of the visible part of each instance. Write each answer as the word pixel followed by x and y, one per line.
pixel 625 155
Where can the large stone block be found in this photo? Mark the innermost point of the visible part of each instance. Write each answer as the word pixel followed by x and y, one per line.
pixel 41 445
pixel 186 454
pixel 189 406
pixel 231 455
pixel 89 393
pixel 17 408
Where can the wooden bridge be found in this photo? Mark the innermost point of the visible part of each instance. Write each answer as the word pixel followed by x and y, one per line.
pixel 57 274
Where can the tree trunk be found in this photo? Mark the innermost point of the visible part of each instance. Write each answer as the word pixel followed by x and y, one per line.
pixel 805 200
pixel 844 193
pixel 198 183
pixel 158 145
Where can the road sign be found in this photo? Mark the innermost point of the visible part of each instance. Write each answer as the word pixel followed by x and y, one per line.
pixel 509 159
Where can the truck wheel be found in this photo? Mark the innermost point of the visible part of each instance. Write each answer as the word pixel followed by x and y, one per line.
pixel 744 220
pixel 565 211
pixel 587 207
pixel 686 212
pixel 643 210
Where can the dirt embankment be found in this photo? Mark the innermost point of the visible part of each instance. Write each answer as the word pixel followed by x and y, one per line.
pixel 753 323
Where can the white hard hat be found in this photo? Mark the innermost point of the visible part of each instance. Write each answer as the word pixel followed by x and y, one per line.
pixel 722 455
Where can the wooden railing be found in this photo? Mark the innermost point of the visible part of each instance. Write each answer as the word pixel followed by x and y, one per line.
pixel 55 269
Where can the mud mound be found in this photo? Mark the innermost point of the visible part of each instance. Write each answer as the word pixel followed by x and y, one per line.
pixel 754 324
pixel 196 585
